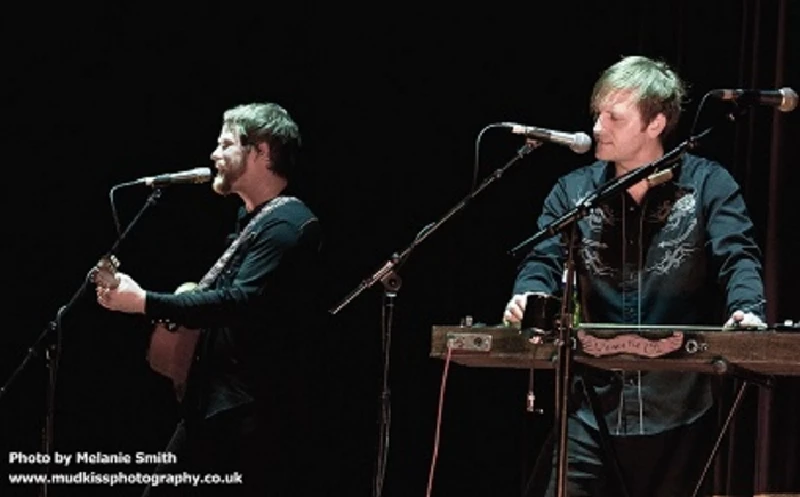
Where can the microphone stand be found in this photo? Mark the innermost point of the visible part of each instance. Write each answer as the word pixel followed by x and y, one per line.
pixel 564 341
pixel 610 189
pixel 53 350
pixel 392 282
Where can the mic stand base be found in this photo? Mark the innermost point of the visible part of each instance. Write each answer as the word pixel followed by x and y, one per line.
pixel 563 376
pixel 52 353
pixel 391 284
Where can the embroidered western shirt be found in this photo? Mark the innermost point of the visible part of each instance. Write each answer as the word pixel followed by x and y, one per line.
pixel 685 255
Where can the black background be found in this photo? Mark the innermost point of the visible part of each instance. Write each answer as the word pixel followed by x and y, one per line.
pixel 390 100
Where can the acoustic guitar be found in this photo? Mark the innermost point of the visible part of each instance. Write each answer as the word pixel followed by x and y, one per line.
pixel 172 347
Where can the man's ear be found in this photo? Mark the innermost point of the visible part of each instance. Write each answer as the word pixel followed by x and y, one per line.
pixel 657 125
pixel 262 151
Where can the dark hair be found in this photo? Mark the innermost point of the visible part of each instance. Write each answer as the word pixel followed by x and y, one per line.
pixel 270 123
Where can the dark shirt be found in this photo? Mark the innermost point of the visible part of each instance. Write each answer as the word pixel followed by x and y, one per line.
pixel 685 256
pixel 255 316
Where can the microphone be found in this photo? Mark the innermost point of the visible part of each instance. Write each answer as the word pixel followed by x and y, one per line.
pixel 577 142
pixel 196 175
pixel 784 99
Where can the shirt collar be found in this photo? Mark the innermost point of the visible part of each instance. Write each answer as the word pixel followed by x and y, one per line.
pixel 604 171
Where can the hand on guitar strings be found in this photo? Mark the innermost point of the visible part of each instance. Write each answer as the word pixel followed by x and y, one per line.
pixel 126 296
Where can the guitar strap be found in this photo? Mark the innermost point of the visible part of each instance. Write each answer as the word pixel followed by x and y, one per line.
pixel 215 270
pixel 218 266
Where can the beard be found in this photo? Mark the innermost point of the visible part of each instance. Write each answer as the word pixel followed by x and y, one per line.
pixel 225 178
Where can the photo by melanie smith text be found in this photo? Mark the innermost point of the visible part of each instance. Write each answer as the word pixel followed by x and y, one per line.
pixel 85 457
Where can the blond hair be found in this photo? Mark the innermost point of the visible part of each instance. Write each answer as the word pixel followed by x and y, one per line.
pixel 658 89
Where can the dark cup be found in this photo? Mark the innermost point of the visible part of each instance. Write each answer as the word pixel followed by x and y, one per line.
pixel 541 315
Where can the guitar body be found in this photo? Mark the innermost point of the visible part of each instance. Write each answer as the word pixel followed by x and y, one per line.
pixel 172 349
pixel 171 354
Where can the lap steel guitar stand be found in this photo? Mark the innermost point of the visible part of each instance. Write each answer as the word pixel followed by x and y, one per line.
pixel 755 356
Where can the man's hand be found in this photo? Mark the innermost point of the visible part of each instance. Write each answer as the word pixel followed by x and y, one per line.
pixel 741 319
pixel 126 296
pixel 515 308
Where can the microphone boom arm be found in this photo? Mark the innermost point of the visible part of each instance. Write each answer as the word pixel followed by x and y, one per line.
pixel 387 269
pixel 611 188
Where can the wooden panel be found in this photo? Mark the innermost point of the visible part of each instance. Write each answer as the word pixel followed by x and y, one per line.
pixel 701 349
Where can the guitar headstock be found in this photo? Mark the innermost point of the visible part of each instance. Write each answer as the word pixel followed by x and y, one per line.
pixel 104 273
